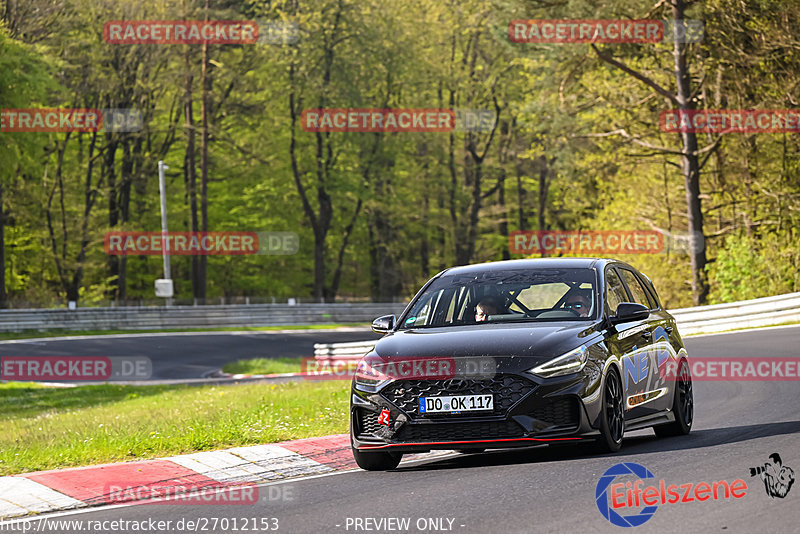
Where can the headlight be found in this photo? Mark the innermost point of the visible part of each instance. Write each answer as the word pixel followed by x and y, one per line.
pixel 571 362
pixel 369 377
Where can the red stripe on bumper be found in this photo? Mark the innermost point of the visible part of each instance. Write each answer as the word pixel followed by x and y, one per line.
pixel 422 443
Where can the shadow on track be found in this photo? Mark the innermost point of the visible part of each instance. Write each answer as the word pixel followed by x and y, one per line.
pixel 698 439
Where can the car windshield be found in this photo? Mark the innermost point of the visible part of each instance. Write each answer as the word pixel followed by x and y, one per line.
pixel 501 296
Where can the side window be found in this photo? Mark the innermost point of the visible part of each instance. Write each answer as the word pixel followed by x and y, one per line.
pixel 423 312
pixel 637 291
pixel 615 291
pixel 652 292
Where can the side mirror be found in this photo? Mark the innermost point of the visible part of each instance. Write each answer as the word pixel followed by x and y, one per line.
pixel 630 311
pixel 383 324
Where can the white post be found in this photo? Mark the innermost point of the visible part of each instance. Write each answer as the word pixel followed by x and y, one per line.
pixel 164 287
pixel 164 240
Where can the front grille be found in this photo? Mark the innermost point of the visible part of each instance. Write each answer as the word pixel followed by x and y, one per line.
pixel 560 412
pixel 367 423
pixel 459 431
pixel 507 390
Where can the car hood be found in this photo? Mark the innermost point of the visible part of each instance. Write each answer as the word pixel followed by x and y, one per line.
pixel 538 342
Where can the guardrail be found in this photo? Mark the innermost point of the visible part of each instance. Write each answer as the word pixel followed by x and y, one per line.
pixel 765 311
pixel 137 318
pixel 704 319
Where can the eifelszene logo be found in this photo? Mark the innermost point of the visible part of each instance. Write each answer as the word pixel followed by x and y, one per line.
pixel 629 494
pixel 778 478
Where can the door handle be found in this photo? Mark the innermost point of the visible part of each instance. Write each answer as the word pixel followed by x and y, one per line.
pixel 647 335
pixel 668 329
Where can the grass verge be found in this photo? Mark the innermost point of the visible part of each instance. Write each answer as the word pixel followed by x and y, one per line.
pixel 263 366
pixel 49 428
pixel 70 333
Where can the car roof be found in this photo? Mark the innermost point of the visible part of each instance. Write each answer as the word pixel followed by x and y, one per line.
pixel 533 263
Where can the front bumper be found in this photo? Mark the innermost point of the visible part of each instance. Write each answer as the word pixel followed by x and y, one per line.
pixel 528 411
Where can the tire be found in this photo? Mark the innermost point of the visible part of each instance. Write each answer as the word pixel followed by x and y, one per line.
pixel 612 420
pixel 682 406
pixel 377 461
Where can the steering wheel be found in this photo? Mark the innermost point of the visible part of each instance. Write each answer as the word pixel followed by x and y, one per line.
pixel 573 312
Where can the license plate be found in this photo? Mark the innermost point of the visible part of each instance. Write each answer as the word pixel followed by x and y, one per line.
pixel 456 404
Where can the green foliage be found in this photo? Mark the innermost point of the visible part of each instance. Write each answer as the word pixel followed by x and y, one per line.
pixel 748 267
pixel 410 197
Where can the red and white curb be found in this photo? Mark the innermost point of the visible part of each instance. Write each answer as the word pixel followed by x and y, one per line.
pixel 207 472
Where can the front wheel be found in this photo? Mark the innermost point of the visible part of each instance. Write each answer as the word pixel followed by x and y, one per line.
pixel 377 461
pixel 612 422
pixel 682 406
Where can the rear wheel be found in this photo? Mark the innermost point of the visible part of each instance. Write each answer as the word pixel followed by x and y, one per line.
pixel 378 460
pixel 682 406
pixel 612 421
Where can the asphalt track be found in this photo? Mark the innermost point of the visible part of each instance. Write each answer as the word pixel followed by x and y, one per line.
pixel 737 426
pixel 189 355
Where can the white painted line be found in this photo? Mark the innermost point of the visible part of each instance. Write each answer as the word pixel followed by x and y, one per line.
pixel 20 496
pixel 262 453
pixel 219 465
pixel 249 464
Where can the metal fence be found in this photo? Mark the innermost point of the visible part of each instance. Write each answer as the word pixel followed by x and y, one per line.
pixel 704 319
pixel 765 311
pixel 149 318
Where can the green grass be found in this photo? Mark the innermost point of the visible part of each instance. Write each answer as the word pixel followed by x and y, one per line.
pixel 48 428
pixel 263 366
pixel 30 334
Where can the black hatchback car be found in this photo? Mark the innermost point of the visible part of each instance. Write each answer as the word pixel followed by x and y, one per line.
pixel 517 353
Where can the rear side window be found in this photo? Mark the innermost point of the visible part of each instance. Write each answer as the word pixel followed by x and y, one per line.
pixel 651 290
pixel 615 291
pixel 638 292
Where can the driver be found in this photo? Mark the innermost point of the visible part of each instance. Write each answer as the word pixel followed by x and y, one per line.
pixel 487 306
pixel 579 303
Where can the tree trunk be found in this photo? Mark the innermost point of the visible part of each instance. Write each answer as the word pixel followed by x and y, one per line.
pixel 189 171
pixel 690 165
pixel 109 170
pixel 126 182
pixel 521 200
pixel 424 251
pixel 501 201
pixel 3 296
pixel 205 83
pixel 319 266
pixel 544 190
